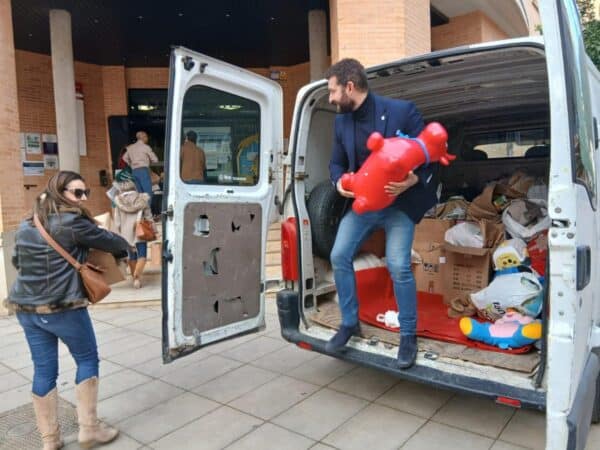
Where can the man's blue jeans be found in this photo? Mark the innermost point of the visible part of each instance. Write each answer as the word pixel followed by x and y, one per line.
pixel 399 232
pixel 43 331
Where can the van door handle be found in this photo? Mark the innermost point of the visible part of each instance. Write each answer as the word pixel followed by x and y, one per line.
pixel 584 266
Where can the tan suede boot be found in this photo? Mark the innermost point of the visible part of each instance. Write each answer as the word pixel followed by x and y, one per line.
pixel 91 431
pixel 46 415
pixel 139 270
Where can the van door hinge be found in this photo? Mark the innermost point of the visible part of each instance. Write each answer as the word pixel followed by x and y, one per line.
pixel 167 256
pixel 168 213
pixel 300 176
pixel 188 63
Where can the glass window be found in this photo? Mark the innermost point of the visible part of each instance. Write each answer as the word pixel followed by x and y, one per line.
pixel 507 144
pixel 220 135
pixel 580 117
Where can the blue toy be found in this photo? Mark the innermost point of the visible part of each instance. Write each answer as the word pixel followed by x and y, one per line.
pixel 513 330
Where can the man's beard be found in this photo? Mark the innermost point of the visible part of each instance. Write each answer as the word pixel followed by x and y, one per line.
pixel 345 105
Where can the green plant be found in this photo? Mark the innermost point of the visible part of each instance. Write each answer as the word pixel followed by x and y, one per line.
pixel 591 30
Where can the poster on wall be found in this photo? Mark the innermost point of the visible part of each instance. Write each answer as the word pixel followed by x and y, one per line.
pixel 33 143
pixel 49 144
pixel 51 162
pixel 33 168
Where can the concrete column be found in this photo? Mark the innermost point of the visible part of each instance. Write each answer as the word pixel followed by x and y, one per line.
pixel 63 74
pixel 317 43
pixel 11 172
pixel 379 31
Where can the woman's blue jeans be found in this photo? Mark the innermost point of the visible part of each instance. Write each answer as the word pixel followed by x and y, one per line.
pixel 353 230
pixel 74 328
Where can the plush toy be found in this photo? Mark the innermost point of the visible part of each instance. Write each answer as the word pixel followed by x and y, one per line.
pixel 513 330
pixel 392 159
pixel 509 254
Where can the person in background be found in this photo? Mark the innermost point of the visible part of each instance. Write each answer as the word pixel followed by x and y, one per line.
pixel 193 160
pixel 51 304
pixel 138 156
pixel 130 207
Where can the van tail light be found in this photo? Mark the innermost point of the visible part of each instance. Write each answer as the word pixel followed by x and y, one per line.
pixel 289 250
pixel 509 401
pixel 304 345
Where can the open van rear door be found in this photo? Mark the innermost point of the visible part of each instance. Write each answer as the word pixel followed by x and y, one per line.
pixel 217 199
pixel 573 241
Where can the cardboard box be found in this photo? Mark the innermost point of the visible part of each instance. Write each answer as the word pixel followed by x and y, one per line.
pixel 467 270
pixel 429 244
pixel 431 231
pixel 429 272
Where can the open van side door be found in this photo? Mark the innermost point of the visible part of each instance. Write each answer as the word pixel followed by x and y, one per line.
pixel 573 240
pixel 217 199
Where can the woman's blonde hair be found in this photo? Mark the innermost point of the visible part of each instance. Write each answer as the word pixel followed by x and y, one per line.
pixel 53 200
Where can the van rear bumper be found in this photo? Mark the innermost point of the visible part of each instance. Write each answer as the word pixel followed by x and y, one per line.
pixel 289 318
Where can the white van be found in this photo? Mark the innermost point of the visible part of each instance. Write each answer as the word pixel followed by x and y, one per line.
pixel 215 229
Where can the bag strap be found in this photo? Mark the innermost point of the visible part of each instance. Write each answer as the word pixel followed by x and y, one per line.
pixel 61 251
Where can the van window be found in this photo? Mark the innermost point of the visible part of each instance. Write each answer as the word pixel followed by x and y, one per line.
pixel 507 144
pixel 584 170
pixel 225 128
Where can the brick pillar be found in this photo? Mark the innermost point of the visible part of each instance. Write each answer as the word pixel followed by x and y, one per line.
pixel 379 31
pixel 114 88
pixel 12 198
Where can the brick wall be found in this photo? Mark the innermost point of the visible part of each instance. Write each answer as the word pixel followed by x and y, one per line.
pixel 147 77
pixel 36 114
pixel 467 29
pixel 11 174
pixel 380 31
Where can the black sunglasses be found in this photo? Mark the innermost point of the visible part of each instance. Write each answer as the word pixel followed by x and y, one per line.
pixel 78 193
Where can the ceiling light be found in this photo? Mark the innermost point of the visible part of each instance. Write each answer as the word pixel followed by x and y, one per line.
pixel 227 15
pixel 180 14
pixel 146 107
pixel 140 17
pixel 230 107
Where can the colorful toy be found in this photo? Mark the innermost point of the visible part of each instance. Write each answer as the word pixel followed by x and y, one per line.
pixel 511 253
pixel 392 159
pixel 513 330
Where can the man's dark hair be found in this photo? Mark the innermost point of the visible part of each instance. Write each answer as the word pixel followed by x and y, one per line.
pixel 349 69
pixel 191 136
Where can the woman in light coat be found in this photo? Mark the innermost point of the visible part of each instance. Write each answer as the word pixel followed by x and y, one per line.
pixel 130 207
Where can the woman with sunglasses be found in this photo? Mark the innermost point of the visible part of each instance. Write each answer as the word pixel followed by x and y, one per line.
pixel 50 303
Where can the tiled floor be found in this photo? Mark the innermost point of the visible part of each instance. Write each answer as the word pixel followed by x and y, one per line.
pixel 259 392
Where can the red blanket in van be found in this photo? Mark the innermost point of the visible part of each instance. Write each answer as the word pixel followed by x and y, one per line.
pixel 376 295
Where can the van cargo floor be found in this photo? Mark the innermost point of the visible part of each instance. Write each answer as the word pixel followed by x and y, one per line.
pixel 328 315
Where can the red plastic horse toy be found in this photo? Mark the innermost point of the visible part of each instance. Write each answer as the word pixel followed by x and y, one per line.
pixel 392 159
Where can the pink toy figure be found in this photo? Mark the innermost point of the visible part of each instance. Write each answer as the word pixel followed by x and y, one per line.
pixel 392 159
pixel 513 330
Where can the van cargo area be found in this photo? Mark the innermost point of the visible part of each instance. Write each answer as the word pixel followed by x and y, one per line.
pixel 494 103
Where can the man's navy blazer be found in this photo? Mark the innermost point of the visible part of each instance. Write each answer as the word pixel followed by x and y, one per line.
pixel 391 116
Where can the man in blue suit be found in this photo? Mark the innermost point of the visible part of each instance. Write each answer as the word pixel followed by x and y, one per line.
pixel 360 113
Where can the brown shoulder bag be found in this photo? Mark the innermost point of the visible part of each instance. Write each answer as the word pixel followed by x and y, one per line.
pixel 91 276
